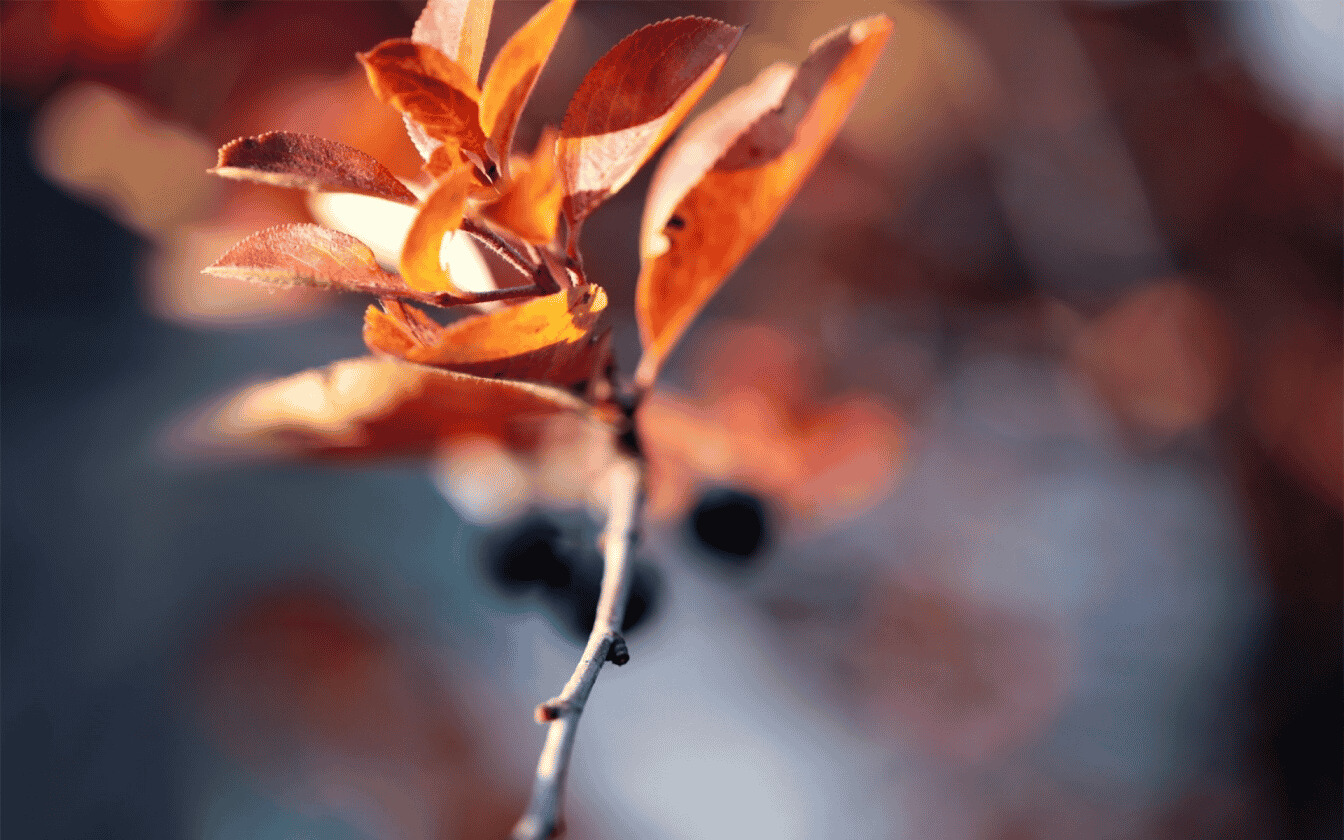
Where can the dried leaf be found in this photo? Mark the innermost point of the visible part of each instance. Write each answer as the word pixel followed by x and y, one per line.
pixel 530 204
pixel 547 339
pixel 307 255
pixel 302 161
pixel 456 28
pixel 633 98
pixel 440 214
pixel 514 72
pixel 698 227
pixel 434 91
pixel 373 406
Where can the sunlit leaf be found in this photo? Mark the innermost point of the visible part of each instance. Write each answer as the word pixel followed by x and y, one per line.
pixel 434 91
pixel 514 73
pixel 547 339
pixel 631 101
pixel 307 255
pixel 302 161
pixel 372 406
pixel 456 28
pixel 530 204
pixel 703 218
pixel 440 214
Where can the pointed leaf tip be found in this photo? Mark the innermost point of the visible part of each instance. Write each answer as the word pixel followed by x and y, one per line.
pixel 631 101
pixel 725 182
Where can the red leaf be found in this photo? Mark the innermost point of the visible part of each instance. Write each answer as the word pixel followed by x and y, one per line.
pixel 372 406
pixel 723 185
pixel 434 91
pixel 631 101
pixel 308 255
pixel 302 161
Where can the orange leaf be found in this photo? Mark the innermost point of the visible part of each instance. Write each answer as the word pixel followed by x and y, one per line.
pixel 440 214
pixel 302 161
pixel 530 204
pixel 703 218
pixel 547 339
pixel 434 91
pixel 514 72
pixel 633 98
pixel 373 406
pixel 307 255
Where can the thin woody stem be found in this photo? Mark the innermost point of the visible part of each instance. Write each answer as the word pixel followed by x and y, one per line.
pixel 501 246
pixel 544 812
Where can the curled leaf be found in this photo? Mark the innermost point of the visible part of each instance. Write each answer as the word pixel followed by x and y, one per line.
pixel 302 161
pixel 440 214
pixel 530 204
pixel 372 406
pixel 434 91
pixel 702 219
pixel 547 339
pixel 631 101
pixel 515 70
pixel 307 255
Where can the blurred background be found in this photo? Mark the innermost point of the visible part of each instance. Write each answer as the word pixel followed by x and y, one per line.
pixel 998 495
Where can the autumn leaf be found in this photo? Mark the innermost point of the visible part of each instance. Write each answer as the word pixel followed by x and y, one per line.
pixel 547 339
pixel 530 205
pixel 372 406
pixel 631 101
pixel 440 214
pixel 302 161
pixel 724 183
pixel 515 70
pixel 434 91
pixel 307 255
pixel 456 28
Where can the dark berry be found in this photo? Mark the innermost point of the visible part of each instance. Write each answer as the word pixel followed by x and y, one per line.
pixel 732 524
pixel 527 554
pixel 575 605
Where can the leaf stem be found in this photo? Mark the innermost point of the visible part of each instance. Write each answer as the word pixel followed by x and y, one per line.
pixel 543 817
pixel 501 246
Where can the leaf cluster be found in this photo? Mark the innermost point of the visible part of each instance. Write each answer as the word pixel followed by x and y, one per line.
pixel 718 190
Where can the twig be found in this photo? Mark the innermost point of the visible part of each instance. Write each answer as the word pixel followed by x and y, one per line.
pixel 543 816
pixel 500 246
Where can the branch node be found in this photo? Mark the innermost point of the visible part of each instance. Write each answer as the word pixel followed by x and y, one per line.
pixel 618 654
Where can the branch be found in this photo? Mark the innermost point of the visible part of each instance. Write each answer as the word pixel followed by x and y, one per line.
pixel 543 816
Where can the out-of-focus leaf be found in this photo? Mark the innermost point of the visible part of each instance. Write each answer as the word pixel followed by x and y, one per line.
pixel 440 214
pixel 631 100
pixel 530 205
pixel 307 255
pixel 434 91
pixel 514 73
pixel 456 28
pixel 697 229
pixel 302 161
pixel 372 406
pixel 547 339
